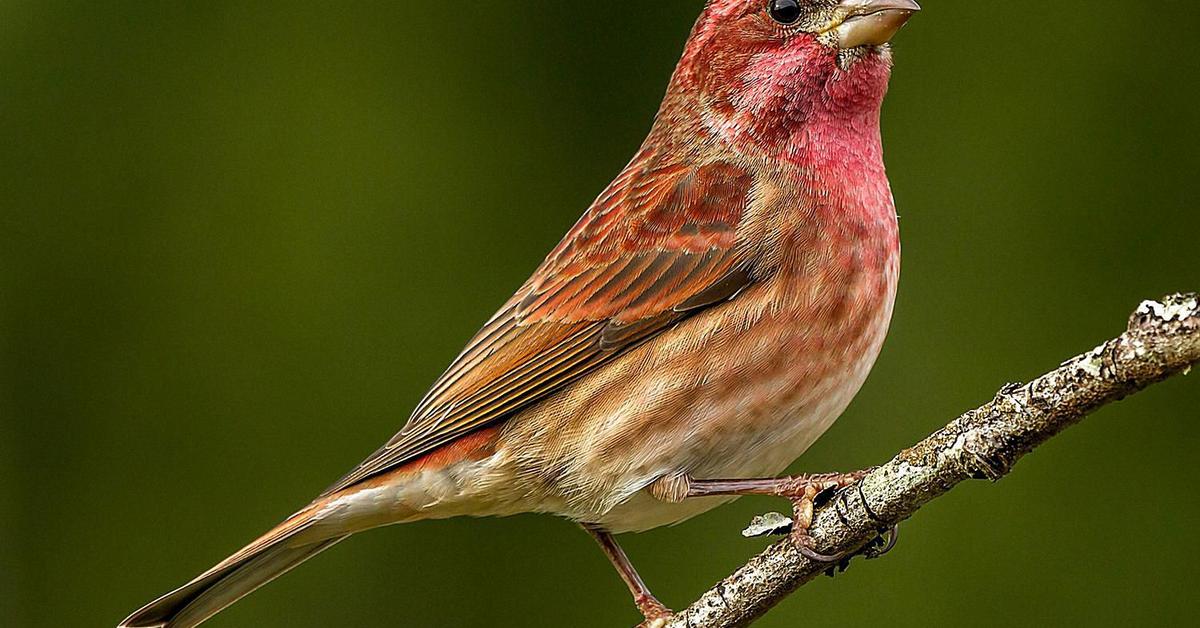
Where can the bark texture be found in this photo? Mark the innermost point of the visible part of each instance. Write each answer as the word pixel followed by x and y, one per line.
pixel 1162 340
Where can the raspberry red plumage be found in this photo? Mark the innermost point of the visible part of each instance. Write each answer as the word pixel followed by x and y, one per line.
pixel 710 316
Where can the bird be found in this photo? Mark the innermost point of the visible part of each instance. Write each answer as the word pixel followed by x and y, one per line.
pixel 708 318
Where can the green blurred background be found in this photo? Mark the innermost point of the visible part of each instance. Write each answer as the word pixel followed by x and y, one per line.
pixel 236 245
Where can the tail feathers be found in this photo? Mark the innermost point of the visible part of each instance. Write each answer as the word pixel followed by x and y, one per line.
pixel 228 582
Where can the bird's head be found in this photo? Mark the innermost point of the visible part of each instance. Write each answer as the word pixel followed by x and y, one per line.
pixel 762 67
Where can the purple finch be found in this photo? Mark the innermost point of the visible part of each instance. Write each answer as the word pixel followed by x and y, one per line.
pixel 708 318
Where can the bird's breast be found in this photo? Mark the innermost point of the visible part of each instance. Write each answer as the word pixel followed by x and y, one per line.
pixel 740 390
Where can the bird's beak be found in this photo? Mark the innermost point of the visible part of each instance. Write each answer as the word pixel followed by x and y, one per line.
pixel 871 22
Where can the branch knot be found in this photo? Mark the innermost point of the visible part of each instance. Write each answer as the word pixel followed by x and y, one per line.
pixel 1163 339
pixel 1179 313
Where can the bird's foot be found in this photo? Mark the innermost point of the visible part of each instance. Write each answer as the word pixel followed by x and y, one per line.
pixel 807 493
pixel 882 545
pixel 803 506
pixel 656 613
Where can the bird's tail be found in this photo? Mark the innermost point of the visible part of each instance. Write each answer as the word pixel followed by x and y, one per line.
pixel 260 562
pixel 329 519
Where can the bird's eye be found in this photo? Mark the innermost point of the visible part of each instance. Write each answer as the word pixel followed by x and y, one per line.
pixel 785 11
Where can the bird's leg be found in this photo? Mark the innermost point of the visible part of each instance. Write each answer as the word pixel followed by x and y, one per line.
pixel 804 491
pixel 655 612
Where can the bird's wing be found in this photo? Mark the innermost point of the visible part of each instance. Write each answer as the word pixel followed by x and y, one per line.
pixel 657 246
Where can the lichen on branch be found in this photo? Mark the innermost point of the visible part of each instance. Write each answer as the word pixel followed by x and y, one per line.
pixel 1161 340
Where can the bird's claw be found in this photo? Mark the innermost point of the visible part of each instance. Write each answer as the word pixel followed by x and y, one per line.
pixel 881 545
pixel 804 505
pixel 804 544
pixel 820 492
pixel 656 613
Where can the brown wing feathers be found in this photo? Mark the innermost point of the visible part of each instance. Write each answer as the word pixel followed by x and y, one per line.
pixel 658 245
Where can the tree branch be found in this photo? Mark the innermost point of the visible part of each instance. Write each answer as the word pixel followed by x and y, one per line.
pixel 1163 339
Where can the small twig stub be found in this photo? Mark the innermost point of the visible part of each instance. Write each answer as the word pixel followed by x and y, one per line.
pixel 770 524
pixel 1162 340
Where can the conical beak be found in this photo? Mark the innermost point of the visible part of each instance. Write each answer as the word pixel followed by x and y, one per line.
pixel 872 22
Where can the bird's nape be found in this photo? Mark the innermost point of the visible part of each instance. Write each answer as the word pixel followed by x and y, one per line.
pixel 708 318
